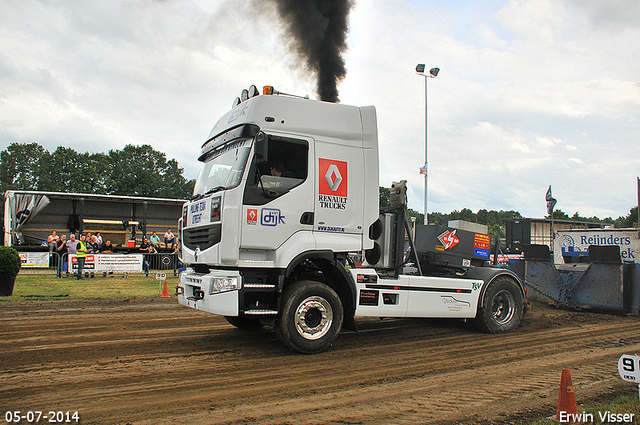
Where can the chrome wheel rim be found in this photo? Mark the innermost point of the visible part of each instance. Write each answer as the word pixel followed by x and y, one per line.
pixel 504 307
pixel 313 318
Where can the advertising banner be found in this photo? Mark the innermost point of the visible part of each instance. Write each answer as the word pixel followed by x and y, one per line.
pixel 34 259
pixel 130 263
pixel 579 241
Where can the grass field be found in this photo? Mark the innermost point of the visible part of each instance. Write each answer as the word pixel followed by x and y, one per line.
pixel 39 287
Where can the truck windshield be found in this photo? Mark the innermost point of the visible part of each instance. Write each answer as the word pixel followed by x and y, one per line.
pixel 223 167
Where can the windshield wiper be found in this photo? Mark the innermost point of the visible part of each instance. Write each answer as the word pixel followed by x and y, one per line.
pixel 209 192
pixel 215 189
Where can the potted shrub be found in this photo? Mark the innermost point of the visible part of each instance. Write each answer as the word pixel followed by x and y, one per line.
pixel 9 267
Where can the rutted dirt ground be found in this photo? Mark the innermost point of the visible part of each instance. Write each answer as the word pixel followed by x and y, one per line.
pixel 154 362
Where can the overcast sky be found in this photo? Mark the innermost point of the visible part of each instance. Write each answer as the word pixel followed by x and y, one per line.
pixel 531 93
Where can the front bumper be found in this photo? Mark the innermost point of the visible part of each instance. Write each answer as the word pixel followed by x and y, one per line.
pixel 216 292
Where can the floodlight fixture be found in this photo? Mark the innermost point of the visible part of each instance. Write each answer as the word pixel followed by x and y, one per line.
pixel 433 73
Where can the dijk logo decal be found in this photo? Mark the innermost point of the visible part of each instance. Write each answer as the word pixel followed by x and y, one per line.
pixel 333 177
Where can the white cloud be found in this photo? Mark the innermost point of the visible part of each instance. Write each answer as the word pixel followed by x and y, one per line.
pixel 502 114
pixel 530 93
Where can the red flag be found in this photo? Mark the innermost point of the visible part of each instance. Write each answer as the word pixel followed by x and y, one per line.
pixel 551 202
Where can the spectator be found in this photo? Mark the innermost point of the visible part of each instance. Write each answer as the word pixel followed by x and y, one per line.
pixel 155 240
pixel 71 250
pixel 99 238
pixel 106 248
pixel 61 249
pixel 61 245
pixel 147 247
pixel 169 238
pixel 81 254
pixel 93 246
pixel 177 264
pixel 71 244
pixel 52 240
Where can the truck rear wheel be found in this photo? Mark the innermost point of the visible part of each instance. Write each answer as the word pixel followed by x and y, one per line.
pixel 310 318
pixel 502 307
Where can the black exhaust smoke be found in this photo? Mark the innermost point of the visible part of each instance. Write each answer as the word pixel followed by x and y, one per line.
pixel 317 33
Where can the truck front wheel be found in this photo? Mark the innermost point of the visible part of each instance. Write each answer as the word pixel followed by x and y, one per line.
pixel 502 307
pixel 310 318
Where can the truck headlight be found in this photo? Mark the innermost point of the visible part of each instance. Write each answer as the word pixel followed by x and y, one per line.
pixel 223 284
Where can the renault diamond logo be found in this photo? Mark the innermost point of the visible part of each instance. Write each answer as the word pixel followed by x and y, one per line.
pixel 334 178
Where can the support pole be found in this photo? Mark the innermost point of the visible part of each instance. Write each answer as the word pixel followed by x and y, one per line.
pixel 411 244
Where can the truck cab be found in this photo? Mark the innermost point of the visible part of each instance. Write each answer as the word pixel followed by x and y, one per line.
pixel 287 190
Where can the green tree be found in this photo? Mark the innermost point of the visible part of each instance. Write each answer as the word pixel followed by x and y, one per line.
pixel 484 216
pixel 134 171
pixel 438 218
pixel 175 184
pixel 418 216
pixel 467 215
pixel 93 173
pixel 385 196
pixel 143 171
pixel 72 172
pixel 559 215
pixel 631 219
pixel 21 167
pixel 496 230
pixel 385 201
pixel 576 216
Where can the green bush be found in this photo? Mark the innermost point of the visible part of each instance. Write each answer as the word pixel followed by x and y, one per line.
pixel 9 262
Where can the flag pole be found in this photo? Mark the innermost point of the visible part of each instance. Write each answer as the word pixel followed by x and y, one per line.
pixel 553 237
pixel 551 202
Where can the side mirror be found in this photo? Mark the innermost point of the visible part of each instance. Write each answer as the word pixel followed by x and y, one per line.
pixel 261 147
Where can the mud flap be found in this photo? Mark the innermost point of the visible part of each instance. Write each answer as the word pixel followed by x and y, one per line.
pixel 350 323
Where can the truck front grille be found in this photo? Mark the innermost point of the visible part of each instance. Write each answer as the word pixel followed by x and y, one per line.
pixel 203 237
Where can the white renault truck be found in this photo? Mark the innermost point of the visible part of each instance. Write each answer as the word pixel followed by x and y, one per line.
pixel 287 194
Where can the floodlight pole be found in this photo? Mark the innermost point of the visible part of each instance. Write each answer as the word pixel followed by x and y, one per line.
pixel 432 74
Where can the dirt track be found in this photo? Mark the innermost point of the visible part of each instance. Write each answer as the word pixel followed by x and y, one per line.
pixel 154 362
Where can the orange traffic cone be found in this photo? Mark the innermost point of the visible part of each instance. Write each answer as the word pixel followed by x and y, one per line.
pixel 567 400
pixel 165 291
